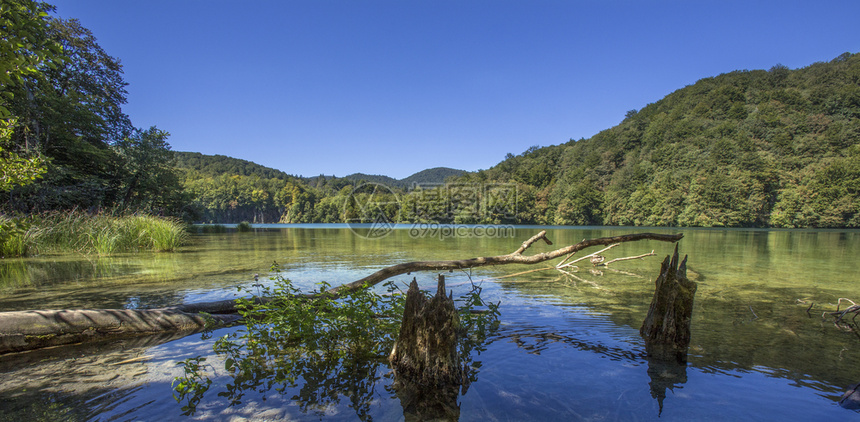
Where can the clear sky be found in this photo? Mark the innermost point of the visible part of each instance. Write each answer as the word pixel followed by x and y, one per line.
pixel 394 87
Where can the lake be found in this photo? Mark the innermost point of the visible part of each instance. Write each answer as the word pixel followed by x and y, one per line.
pixel 567 348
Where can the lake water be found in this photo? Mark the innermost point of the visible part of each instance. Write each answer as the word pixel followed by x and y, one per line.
pixel 568 346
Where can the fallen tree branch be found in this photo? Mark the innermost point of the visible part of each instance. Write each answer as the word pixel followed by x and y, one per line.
pixel 840 315
pixel 627 258
pixel 569 264
pixel 26 330
pixel 515 257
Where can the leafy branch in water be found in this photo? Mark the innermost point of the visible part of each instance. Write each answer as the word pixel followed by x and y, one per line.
pixel 326 347
pixel 191 385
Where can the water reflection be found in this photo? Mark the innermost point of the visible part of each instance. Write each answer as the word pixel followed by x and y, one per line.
pixel 567 349
pixel 665 374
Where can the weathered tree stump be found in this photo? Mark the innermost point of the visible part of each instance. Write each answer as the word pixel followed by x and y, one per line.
pixel 426 350
pixel 425 356
pixel 666 328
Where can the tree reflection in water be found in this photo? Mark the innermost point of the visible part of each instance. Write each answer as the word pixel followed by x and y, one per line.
pixel 328 349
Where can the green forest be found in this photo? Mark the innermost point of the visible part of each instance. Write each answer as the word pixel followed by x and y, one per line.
pixel 750 148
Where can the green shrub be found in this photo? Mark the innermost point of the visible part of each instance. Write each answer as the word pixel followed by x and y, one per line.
pixel 16 237
pixel 243 226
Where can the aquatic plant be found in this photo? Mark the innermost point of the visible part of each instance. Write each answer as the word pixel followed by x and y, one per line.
pixel 243 226
pixel 322 344
pixel 207 228
pixel 101 234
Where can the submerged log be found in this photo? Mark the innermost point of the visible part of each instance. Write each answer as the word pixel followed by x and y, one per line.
pixel 426 349
pixel 27 330
pixel 666 328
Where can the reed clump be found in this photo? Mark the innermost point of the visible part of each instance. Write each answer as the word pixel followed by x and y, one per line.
pixel 101 234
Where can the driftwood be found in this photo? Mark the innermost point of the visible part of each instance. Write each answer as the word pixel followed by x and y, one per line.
pixel 840 315
pixel 666 328
pixel 26 330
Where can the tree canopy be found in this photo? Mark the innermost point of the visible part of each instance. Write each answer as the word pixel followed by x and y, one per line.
pixel 62 99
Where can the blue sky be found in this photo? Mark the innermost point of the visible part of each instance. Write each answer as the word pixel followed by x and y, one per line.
pixel 394 87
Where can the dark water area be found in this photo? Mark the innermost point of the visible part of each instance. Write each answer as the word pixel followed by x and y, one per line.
pixel 568 346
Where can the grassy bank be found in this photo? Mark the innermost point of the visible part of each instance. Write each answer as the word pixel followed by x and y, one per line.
pixel 100 234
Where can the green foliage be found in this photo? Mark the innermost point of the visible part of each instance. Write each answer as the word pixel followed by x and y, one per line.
pixel 228 190
pixel 14 169
pixel 216 165
pixel 322 345
pixel 25 45
pixel 243 226
pixel 191 385
pixel 430 176
pixel 83 233
pixel 742 149
pixel 64 100
pixel 17 237
pixel 148 180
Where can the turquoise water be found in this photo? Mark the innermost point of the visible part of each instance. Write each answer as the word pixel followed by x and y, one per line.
pixel 568 346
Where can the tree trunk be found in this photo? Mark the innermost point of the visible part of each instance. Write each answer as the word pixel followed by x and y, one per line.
pixel 27 330
pixel 666 328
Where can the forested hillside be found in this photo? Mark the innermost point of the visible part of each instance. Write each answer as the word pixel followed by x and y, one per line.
pixel 217 165
pixel 776 148
pixel 760 148
pixel 228 190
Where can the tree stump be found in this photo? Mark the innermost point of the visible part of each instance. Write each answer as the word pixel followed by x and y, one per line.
pixel 666 328
pixel 426 350
pixel 425 357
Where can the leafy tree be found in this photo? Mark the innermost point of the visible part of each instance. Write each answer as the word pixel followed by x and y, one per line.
pixel 24 47
pixel 70 112
pixel 25 44
pixel 14 169
pixel 148 180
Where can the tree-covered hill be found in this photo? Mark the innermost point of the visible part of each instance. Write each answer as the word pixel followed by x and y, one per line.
pixel 374 178
pixel 431 176
pixel 216 165
pixel 775 148
pixel 222 189
pixel 760 148
pixel 436 175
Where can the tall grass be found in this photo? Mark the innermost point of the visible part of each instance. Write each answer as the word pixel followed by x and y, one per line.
pixel 101 234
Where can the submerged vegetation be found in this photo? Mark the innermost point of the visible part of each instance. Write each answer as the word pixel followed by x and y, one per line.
pixel 89 234
pixel 323 346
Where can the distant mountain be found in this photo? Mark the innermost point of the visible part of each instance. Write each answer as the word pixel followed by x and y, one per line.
pixel 374 178
pixel 436 175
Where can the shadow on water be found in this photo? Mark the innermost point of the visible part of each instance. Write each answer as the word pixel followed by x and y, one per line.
pixel 78 382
